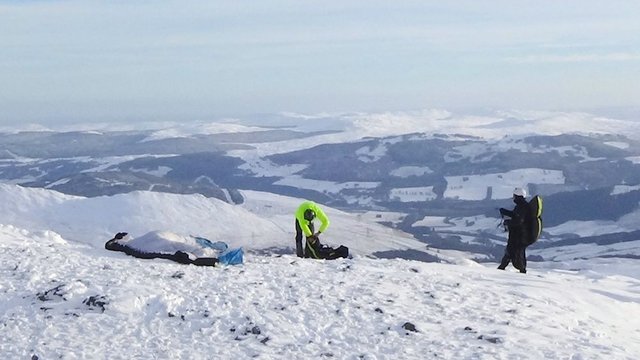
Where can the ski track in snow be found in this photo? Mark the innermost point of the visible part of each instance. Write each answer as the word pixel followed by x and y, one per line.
pixel 288 308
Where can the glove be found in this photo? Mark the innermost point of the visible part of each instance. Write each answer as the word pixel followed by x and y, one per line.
pixel 312 239
pixel 317 234
pixel 502 210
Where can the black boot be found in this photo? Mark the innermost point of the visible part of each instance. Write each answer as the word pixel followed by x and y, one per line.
pixel 506 259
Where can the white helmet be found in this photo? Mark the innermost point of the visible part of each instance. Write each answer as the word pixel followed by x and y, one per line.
pixel 520 192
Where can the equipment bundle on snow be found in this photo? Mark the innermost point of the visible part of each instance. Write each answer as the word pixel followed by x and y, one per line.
pixel 315 250
pixel 182 249
pixel 535 227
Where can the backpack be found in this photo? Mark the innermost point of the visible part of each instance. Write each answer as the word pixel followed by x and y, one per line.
pixel 535 204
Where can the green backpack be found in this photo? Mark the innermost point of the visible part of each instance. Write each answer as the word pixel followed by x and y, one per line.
pixel 536 227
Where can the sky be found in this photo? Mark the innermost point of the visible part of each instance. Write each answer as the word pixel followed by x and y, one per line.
pixel 200 59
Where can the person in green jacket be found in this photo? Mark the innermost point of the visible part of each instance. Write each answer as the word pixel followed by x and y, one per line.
pixel 306 213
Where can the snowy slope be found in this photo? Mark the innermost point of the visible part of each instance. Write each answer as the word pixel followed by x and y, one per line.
pixel 61 299
pixel 360 234
pixel 264 221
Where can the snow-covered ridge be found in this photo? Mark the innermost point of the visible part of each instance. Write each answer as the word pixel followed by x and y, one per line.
pixel 60 299
pixel 262 222
pixel 353 126
pixel 200 128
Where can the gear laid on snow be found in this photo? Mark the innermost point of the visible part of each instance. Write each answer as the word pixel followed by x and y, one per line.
pixel 315 250
pixel 182 249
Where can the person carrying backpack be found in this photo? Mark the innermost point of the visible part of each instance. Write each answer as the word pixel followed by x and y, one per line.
pixel 518 223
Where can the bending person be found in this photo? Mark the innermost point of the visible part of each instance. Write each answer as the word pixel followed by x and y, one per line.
pixel 306 213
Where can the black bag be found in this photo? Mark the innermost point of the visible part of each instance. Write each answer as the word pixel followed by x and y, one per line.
pixel 340 252
pixel 314 249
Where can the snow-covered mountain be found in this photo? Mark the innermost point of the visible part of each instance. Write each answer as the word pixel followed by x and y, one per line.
pixel 63 296
pixel 436 175
pixel 63 299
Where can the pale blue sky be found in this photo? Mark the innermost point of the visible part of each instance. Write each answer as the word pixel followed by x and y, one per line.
pixel 180 60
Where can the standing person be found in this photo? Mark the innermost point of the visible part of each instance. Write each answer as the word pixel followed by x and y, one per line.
pixel 519 219
pixel 306 213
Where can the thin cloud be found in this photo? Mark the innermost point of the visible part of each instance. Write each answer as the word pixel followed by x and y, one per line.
pixel 574 58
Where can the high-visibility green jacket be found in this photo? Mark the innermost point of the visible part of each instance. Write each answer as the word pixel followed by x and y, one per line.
pixel 320 215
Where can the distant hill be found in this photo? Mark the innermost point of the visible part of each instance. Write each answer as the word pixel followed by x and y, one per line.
pixel 422 165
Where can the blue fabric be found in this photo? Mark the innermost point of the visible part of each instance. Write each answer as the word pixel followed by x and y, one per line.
pixel 232 257
pixel 218 245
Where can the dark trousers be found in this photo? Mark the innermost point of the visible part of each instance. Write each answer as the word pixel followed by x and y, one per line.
pixel 517 256
pixel 299 236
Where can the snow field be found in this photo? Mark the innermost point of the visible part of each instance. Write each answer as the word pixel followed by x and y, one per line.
pixel 62 299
